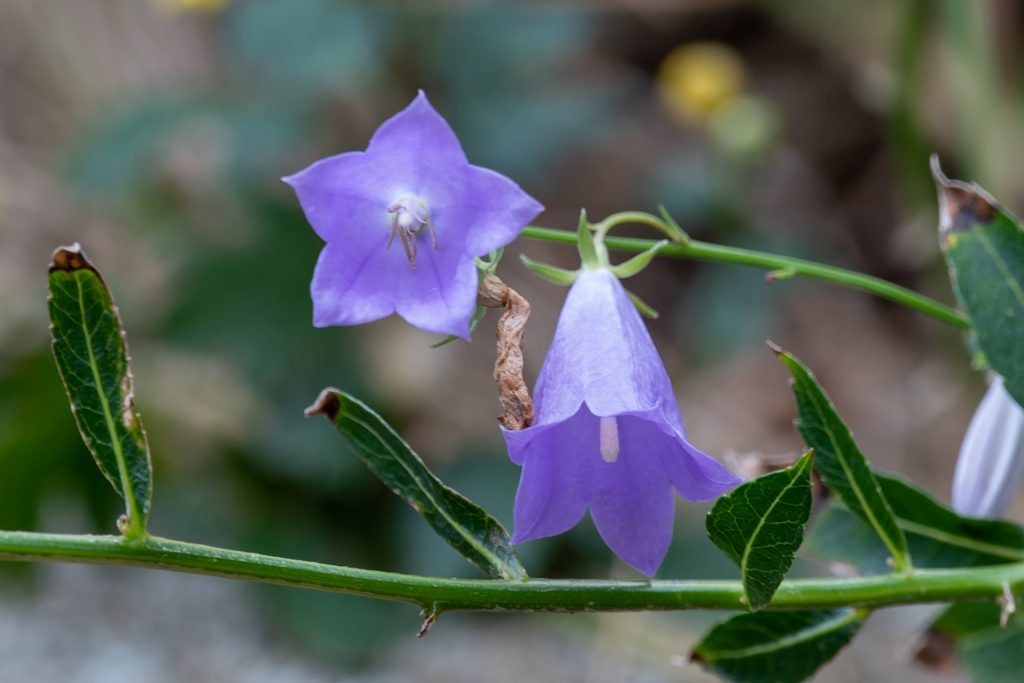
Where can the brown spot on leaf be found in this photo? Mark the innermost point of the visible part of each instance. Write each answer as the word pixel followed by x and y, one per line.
pixel 70 258
pixel 516 404
pixel 326 404
pixel 961 204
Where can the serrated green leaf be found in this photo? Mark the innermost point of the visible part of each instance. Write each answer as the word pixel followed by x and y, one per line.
pixel 777 647
pixel 984 247
pixel 465 526
pixel 936 536
pixel 843 468
pixel 993 655
pixel 760 526
pixel 92 357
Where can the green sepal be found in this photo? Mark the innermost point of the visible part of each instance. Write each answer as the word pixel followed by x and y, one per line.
pixel 639 262
pixel 642 306
pixel 672 229
pixel 553 274
pixel 585 242
pixel 478 315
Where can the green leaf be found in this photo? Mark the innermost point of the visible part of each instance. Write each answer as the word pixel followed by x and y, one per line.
pixel 92 357
pixel 636 264
pixel 993 655
pixel 936 536
pixel 839 461
pixel 552 274
pixel 464 525
pixel 777 647
pixel 760 526
pixel 984 247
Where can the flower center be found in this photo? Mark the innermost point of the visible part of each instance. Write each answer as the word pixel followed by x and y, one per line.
pixel 609 431
pixel 409 216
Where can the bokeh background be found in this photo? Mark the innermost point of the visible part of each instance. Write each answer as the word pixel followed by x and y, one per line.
pixel 155 132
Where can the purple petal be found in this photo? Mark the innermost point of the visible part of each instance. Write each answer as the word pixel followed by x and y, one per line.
pixel 341 196
pixel 440 294
pixel 345 286
pixel 415 134
pixel 633 503
pixel 490 208
pixel 556 481
pixel 696 475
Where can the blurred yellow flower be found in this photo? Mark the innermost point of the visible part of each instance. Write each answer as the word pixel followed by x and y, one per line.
pixel 698 80
pixel 192 5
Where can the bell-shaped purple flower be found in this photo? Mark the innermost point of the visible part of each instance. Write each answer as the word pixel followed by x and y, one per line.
pixel 403 222
pixel 608 434
pixel 991 462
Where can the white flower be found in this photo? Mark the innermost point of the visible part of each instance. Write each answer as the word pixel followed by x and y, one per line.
pixel 991 461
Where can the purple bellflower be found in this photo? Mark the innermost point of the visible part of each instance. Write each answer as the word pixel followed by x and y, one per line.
pixel 608 434
pixel 991 462
pixel 403 222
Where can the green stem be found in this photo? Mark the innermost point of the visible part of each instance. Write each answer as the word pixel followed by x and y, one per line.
pixel 788 266
pixel 921 586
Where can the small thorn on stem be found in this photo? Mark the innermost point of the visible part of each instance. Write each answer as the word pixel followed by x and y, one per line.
pixel 1008 605
pixel 429 619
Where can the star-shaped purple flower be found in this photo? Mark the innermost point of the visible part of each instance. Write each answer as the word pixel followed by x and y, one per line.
pixel 608 434
pixel 403 222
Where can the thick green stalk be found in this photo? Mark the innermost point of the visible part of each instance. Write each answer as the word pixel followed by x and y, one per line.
pixel 439 595
pixel 785 266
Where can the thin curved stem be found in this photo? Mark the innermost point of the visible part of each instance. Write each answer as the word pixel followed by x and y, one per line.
pixel 782 266
pixel 440 595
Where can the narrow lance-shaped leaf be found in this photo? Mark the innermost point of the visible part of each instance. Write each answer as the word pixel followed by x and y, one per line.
pixel 936 536
pixel 760 526
pixel 984 247
pixel 92 356
pixel 777 647
pixel 843 468
pixel 464 525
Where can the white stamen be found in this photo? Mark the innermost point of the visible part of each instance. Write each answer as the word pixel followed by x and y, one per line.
pixel 407 219
pixel 609 439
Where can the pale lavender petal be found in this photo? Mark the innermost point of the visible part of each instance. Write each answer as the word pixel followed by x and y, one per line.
pixel 556 482
pixel 603 354
pixel 696 475
pixel 990 466
pixel 418 133
pixel 341 196
pixel 490 208
pixel 633 503
pixel 440 294
pixel 346 286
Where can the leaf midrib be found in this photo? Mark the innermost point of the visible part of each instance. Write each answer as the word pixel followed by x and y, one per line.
pixel 900 555
pixel 469 538
pixel 115 441
pixel 760 523
pixel 792 640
